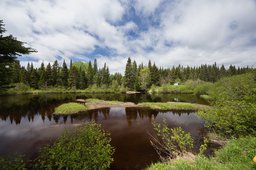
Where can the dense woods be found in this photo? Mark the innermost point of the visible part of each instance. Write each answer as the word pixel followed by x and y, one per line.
pixel 81 75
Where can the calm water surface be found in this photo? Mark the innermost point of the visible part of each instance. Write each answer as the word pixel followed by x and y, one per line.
pixel 27 123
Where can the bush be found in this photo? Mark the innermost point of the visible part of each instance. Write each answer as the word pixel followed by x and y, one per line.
pixel 15 162
pixel 240 87
pixel 173 142
pixel 203 88
pixel 87 147
pixel 231 118
pixel 234 106
pixel 19 88
pixel 236 155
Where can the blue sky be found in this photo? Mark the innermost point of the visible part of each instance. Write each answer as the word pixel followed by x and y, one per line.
pixel 168 32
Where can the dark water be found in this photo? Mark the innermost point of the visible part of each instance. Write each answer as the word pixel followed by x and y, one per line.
pixel 27 123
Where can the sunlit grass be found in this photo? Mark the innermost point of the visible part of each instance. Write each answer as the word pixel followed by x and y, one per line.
pixel 69 108
pixel 174 106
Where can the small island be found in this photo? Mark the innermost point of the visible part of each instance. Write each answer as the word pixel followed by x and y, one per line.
pixel 91 104
pixel 69 108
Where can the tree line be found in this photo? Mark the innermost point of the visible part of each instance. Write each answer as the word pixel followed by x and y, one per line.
pixel 81 75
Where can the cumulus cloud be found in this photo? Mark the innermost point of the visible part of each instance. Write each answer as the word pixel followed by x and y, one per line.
pixel 187 32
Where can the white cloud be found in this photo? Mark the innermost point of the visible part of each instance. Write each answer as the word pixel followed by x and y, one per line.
pixel 147 7
pixel 189 32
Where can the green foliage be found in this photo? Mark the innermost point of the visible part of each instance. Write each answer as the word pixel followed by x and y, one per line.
pixel 236 155
pixel 174 106
pixel 69 108
pixel 10 48
pixel 233 112
pixel 203 146
pixel 173 142
pixel 159 166
pixel 232 118
pixel 15 162
pixel 240 87
pixel 87 147
pixel 203 88
pixel 19 88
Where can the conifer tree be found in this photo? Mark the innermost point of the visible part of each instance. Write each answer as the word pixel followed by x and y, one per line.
pixel 64 74
pixel 128 77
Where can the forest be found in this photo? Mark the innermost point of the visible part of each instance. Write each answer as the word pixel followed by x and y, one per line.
pixel 82 75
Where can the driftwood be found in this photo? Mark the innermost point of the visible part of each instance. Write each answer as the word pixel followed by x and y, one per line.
pixel 81 101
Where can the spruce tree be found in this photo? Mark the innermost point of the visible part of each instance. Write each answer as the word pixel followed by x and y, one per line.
pixel 48 75
pixel 55 68
pixel 64 74
pixel 128 77
pixel 42 76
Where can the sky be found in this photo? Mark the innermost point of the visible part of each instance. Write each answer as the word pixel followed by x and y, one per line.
pixel 167 32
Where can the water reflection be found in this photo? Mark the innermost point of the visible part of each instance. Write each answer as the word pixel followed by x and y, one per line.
pixel 28 125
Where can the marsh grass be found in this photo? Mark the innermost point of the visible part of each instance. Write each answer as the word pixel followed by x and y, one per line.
pixel 174 106
pixel 69 108
pixel 236 155
pixel 99 101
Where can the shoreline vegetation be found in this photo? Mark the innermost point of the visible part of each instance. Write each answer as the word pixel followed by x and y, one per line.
pixel 91 104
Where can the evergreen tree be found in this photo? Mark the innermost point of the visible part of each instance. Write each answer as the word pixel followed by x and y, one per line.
pixel 90 74
pixel 73 78
pixel 81 79
pixel 55 68
pixel 42 76
pixel 128 77
pixel 64 74
pixel 48 75
pixel 154 75
pixel 34 79
pixel 10 48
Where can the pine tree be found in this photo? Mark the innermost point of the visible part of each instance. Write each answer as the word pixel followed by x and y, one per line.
pixel 34 79
pixel 55 68
pixel 90 74
pixel 42 76
pixel 64 74
pixel 128 77
pixel 10 48
pixel 154 75
pixel 73 78
pixel 48 75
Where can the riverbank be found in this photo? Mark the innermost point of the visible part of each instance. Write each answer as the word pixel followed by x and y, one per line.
pixel 234 155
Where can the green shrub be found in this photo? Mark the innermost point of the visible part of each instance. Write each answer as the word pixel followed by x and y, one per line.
pixel 173 142
pixel 15 162
pixel 240 87
pixel 231 118
pixel 203 88
pixel 88 147
pixel 234 106
pixel 237 154
pixel 19 88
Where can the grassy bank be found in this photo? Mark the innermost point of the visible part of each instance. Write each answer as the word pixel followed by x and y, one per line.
pixel 236 154
pixel 69 108
pixel 21 88
pixel 174 106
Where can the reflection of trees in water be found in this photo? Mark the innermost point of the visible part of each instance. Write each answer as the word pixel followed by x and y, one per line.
pixel 16 108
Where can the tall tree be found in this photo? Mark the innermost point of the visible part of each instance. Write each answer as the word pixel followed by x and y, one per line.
pixel 55 68
pixel 128 77
pixel 48 75
pixel 73 78
pixel 10 48
pixel 64 74
pixel 90 74
pixel 42 76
